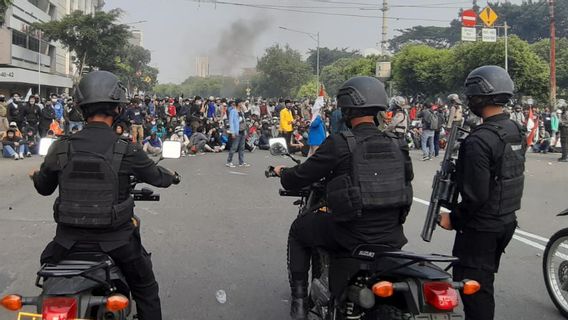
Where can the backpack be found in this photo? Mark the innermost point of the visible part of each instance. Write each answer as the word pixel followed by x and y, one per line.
pixel 379 178
pixel 88 187
pixel 432 121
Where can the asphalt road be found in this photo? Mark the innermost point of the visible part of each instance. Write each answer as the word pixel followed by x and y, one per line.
pixel 226 229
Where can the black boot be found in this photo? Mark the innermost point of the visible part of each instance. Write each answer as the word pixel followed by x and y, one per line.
pixel 299 308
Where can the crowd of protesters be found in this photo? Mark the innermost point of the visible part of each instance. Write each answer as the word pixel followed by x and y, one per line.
pixel 215 125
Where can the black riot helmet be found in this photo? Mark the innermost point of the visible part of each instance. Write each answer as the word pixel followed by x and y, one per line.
pixel 361 96
pixel 99 92
pixel 488 85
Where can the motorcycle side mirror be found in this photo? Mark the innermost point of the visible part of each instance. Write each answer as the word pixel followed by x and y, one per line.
pixel 278 146
pixel 171 150
pixel 44 145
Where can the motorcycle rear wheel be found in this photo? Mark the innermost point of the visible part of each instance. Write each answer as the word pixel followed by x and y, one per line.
pixel 555 270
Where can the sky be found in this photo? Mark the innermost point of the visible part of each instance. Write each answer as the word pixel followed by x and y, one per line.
pixel 234 36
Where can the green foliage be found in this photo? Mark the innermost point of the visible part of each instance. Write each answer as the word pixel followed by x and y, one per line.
pixel 437 37
pixel 309 89
pixel 95 39
pixel 329 56
pixel 281 72
pixel 334 75
pixel 542 49
pixel 419 69
pixel 131 66
pixel 4 4
pixel 217 86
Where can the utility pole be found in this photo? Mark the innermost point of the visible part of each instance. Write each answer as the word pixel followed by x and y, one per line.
pixel 385 28
pixel 552 56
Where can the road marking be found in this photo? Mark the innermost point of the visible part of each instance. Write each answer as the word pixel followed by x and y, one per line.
pixel 518 233
pixel 238 173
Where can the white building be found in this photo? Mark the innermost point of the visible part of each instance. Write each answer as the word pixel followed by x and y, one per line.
pixel 25 61
pixel 202 67
pixel 137 38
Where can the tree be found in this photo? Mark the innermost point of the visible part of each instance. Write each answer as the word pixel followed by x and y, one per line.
pixel 437 37
pixel 542 49
pixel 281 72
pixel 308 90
pixel 133 69
pixel 4 4
pixel 329 56
pixel 420 69
pixel 96 40
pixel 528 71
pixel 334 75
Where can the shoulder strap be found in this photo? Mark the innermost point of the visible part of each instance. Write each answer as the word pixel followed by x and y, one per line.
pixel 62 153
pixel 351 142
pixel 495 128
pixel 120 148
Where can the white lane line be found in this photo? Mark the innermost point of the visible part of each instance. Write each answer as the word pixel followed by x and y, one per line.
pixel 529 242
pixel 518 233
pixel 238 173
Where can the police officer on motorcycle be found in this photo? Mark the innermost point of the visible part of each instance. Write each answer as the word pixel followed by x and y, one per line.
pixel 490 179
pixel 361 210
pixel 94 210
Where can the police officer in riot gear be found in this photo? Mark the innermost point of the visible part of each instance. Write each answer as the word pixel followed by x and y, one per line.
pixel 456 105
pixel 399 122
pixel 490 179
pixel 94 210
pixel 374 216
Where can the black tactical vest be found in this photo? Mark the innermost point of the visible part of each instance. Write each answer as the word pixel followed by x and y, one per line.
pixel 378 180
pixel 506 189
pixel 88 188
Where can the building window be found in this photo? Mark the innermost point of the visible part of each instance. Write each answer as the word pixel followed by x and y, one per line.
pixel 19 38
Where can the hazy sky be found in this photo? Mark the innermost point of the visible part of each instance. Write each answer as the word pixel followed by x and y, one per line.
pixel 177 31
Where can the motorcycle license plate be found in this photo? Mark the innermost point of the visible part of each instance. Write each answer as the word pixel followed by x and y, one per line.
pixel 32 316
pixel 445 316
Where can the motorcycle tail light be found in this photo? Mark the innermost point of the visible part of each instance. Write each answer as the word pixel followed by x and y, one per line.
pixel 383 289
pixel 441 295
pixel 12 302
pixel 116 303
pixel 59 308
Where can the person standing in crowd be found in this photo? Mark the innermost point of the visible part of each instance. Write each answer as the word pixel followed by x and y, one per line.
pixel 211 108
pixel 554 126
pixel 399 123
pixel 564 135
pixel 238 130
pixel 490 179
pixel 3 114
pixel 136 117
pixel 73 116
pixel 316 135
pixel 429 125
pixel 286 121
pixel 58 107
pixel 456 107
pixel 15 110
pixel 439 113
pixel 47 117
pixel 518 116
pixel 32 113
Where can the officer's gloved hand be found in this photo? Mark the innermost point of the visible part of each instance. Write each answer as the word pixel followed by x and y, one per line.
pixel 177 178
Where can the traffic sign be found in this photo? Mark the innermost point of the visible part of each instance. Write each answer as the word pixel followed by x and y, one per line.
pixel 469 18
pixel 488 35
pixel 469 34
pixel 488 16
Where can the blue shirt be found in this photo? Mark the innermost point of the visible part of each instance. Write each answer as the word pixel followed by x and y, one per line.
pixel 234 121
pixel 317 132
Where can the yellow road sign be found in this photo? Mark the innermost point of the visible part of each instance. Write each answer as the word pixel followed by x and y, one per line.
pixel 488 16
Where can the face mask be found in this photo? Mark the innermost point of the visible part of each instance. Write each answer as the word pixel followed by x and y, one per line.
pixel 153 123
pixel 180 134
pixel 54 100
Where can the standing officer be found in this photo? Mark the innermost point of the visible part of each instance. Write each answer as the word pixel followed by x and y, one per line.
pixel 564 134
pixel 347 160
pixel 94 210
pixel 490 178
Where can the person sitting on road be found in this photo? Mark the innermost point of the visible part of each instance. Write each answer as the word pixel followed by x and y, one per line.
pixel 13 146
pixel 32 141
pixel 183 139
pixel 153 145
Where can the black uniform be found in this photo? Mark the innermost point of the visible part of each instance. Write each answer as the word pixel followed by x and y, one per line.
pixel 333 159
pixel 483 229
pixel 123 242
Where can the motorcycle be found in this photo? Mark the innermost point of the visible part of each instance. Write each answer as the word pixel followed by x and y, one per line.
pixel 86 284
pixel 373 281
pixel 555 268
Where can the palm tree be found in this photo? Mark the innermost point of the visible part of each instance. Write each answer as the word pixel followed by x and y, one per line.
pixel 4 4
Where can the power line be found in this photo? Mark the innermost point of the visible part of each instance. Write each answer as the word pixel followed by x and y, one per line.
pixel 271 7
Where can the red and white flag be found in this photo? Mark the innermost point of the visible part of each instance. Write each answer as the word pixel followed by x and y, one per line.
pixel 532 127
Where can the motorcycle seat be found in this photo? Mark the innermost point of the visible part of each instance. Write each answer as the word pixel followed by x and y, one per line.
pixel 372 252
